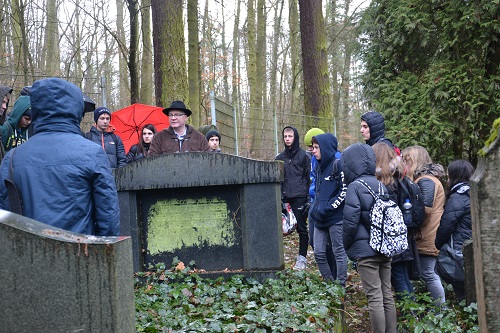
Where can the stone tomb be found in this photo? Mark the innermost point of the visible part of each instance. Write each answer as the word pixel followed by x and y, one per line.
pixel 52 280
pixel 221 211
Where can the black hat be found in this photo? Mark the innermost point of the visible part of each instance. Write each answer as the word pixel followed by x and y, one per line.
pixel 177 105
pixel 100 110
pixel 212 133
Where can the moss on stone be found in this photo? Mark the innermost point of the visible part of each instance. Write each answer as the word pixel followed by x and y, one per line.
pixel 492 138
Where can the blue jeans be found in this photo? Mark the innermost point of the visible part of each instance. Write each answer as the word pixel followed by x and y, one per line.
pixel 375 273
pixel 329 253
pixel 431 279
pixel 320 243
pixel 400 279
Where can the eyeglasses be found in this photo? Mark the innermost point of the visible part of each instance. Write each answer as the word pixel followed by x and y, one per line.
pixel 176 115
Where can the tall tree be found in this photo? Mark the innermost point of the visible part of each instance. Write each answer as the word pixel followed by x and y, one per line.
pixel 124 86
pixel 51 55
pixel 193 62
pixel 235 62
pixel 132 62
pixel 317 96
pixel 295 58
pixel 255 104
pixel 20 42
pixel 146 92
pixel 169 51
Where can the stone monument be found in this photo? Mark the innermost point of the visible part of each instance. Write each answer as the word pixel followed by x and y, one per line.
pixel 52 280
pixel 485 210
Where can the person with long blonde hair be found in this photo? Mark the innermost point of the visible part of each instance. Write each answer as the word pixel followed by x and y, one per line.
pixel 421 169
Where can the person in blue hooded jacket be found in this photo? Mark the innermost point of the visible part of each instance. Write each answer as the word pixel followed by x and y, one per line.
pixel 327 208
pixel 64 179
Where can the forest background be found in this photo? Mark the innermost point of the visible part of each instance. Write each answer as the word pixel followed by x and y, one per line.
pixel 430 66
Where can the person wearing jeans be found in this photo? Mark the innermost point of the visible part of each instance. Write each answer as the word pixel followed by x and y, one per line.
pixel 327 209
pixel 426 174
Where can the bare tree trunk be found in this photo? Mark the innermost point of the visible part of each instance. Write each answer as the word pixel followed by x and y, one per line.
pixel 193 62
pixel 317 100
pixel 261 53
pixel 273 93
pixel 169 51
pixel 133 8
pixel 236 51
pixel 122 60
pixel 255 88
pixel 335 58
pixel 19 39
pixel 146 92
pixel 225 57
pixel 296 68
pixel 51 44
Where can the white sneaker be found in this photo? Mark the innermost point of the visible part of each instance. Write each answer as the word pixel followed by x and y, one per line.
pixel 300 264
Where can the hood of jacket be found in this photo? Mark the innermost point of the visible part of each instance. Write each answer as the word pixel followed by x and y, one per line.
pixel 56 106
pixel 376 123
pixel 328 146
pixel 358 160
pixel 296 141
pixel 20 106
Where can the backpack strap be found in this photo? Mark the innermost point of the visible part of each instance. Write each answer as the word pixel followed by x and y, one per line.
pixel 365 184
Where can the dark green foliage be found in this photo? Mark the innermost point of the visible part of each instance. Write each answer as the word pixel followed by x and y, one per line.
pixel 175 301
pixel 432 69
pixel 421 315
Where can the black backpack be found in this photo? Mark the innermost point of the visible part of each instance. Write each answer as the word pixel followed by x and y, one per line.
pixel 410 190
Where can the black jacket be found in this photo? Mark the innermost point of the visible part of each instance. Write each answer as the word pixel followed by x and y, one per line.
pixel 358 162
pixel 113 146
pixel 376 123
pixel 297 166
pixel 456 218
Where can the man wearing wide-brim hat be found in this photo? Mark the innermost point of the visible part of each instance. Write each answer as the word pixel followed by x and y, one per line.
pixel 178 137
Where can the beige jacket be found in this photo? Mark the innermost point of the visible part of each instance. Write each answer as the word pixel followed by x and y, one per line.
pixel 434 198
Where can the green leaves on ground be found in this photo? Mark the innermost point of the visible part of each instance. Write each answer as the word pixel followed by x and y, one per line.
pixel 175 301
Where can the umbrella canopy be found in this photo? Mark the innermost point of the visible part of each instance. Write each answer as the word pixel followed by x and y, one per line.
pixel 128 122
pixel 88 103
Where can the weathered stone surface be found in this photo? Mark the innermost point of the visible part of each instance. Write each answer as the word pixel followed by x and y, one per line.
pixel 485 209
pixel 221 211
pixel 52 280
pixel 470 280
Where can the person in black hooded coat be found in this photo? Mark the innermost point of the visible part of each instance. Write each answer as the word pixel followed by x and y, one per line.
pixel 456 220
pixel 358 163
pixel 295 187
pixel 373 129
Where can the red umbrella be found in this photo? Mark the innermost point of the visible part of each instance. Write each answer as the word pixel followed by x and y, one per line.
pixel 129 121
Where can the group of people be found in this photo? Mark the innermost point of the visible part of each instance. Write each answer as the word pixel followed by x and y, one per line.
pixel 62 177
pixel 178 137
pixel 331 190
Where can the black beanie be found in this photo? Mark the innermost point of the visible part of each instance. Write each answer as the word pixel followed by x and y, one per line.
pixel 100 110
pixel 212 133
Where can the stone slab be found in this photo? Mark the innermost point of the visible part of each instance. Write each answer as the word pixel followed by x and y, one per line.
pixel 52 280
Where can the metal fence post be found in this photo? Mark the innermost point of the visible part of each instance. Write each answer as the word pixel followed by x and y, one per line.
pixel 103 91
pixel 212 108
pixel 235 124
pixel 275 131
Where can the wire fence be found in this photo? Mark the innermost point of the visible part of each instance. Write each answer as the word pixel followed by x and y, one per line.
pixel 258 134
